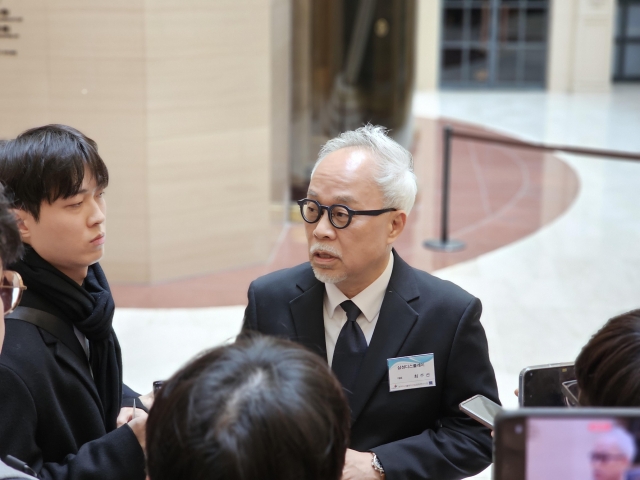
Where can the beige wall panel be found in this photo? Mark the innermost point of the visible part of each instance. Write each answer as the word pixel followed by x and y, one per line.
pixel 97 83
pixel 210 89
pixel 217 30
pixel 208 69
pixel 24 86
pixel 561 45
pixel 188 102
pixel 96 87
pixel 581 45
pixel 594 46
pixel 98 5
pixel 209 198
pixel 24 95
pixel 198 5
pixel 96 34
pixel 428 51
pixel 198 96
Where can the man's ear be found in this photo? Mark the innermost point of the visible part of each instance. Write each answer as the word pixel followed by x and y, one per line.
pixel 23 219
pixel 396 225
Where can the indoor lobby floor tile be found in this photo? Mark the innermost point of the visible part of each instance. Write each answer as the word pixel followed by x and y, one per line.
pixel 545 291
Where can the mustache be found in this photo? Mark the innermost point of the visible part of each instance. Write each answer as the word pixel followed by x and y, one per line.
pixel 319 247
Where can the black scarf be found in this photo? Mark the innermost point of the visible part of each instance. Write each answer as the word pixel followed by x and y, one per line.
pixel 90 308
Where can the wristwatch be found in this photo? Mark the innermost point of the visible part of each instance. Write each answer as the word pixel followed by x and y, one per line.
pixel 377 466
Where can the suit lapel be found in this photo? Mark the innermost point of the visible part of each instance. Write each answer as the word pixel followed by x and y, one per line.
pixel 395 321
pixel 307 312
pixel 81 369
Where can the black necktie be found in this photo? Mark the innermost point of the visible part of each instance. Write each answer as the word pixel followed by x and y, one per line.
pixel 350 348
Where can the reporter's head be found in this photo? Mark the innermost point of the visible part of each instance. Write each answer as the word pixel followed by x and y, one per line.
pixel 10 250
pixel 258 409
pixel 608 367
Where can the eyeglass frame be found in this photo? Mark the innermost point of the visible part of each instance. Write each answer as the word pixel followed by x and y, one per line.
pixel 570 399
pixel 350 212
pixel 21 288
pixel 605 457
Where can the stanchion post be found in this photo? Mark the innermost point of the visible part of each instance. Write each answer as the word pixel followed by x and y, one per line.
pixel 444 244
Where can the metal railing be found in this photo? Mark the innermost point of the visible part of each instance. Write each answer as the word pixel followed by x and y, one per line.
pixel 446 244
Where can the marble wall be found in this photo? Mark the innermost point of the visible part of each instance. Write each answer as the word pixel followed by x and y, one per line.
pixel 188 103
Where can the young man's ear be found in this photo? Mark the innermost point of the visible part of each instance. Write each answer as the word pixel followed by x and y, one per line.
pixel 22 219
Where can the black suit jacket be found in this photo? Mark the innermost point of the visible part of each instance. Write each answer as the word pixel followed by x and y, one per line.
pixel 51 416
pixel 419 433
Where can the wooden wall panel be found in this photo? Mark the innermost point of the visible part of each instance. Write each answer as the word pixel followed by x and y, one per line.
pixel 180 97
pixel 209 121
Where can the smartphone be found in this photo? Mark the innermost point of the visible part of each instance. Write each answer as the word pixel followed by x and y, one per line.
pixel 566 443
pixel 482 409
pixel 541 385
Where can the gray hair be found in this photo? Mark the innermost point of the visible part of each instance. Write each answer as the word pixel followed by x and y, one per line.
pixel 622 439
pixel 394 175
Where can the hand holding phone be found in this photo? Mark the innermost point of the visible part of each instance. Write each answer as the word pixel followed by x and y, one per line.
pixel 481 409
pixel 541 385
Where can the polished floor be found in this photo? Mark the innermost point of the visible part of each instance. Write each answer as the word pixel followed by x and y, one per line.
pixel 573 264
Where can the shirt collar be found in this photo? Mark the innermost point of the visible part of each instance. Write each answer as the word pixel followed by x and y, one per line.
pixel 368 301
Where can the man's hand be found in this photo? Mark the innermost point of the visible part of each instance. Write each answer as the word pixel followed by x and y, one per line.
pixel 139 427
pixel 147 400
pixel 126 413
pixel 357 466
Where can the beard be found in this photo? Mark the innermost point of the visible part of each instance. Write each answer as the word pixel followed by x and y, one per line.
pixel 326 275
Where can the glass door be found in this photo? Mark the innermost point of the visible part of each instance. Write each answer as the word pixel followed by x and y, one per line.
pixel 626 57
pixel 494 43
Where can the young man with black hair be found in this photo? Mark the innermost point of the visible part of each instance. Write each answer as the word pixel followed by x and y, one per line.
pixel 61 369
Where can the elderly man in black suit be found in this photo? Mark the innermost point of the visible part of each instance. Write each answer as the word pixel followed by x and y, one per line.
pixel 406 346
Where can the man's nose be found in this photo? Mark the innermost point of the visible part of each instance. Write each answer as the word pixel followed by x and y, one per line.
pixel 324 228
pixel 97 215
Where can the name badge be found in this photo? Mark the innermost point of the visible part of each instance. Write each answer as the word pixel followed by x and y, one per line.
pixel 414 371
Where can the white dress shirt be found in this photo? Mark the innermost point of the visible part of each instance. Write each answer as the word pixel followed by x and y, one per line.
pixel 368 301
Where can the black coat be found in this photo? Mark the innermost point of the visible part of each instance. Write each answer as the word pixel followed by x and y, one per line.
pixel 51 416
pixel 419 433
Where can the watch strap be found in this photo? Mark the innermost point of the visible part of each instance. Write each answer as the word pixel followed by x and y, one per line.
pixel 375 463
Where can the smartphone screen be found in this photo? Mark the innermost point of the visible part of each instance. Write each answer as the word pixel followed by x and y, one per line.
pixel 568 448
pixel 482 409
pixel 542 386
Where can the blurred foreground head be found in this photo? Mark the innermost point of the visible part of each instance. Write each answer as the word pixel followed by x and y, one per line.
pixel 10 243
pixel 10 250
pixel 608 367
pixel 259 409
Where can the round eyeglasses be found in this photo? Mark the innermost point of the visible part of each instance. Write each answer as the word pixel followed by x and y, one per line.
pixel 11 288
pixel 339 215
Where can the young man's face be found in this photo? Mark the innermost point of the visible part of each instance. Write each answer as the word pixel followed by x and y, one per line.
pixel 70 233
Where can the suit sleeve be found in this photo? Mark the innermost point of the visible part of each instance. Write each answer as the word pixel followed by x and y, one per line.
pixel 115 456
pixel 459 447
pixel 129 396
pixel 250 320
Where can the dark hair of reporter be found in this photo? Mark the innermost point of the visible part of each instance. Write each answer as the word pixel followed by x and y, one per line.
pixel 608 367
pixel 48 163
pixel 10 241
pixel 259 409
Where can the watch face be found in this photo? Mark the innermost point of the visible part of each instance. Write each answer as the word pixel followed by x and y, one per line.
pixel 376 463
